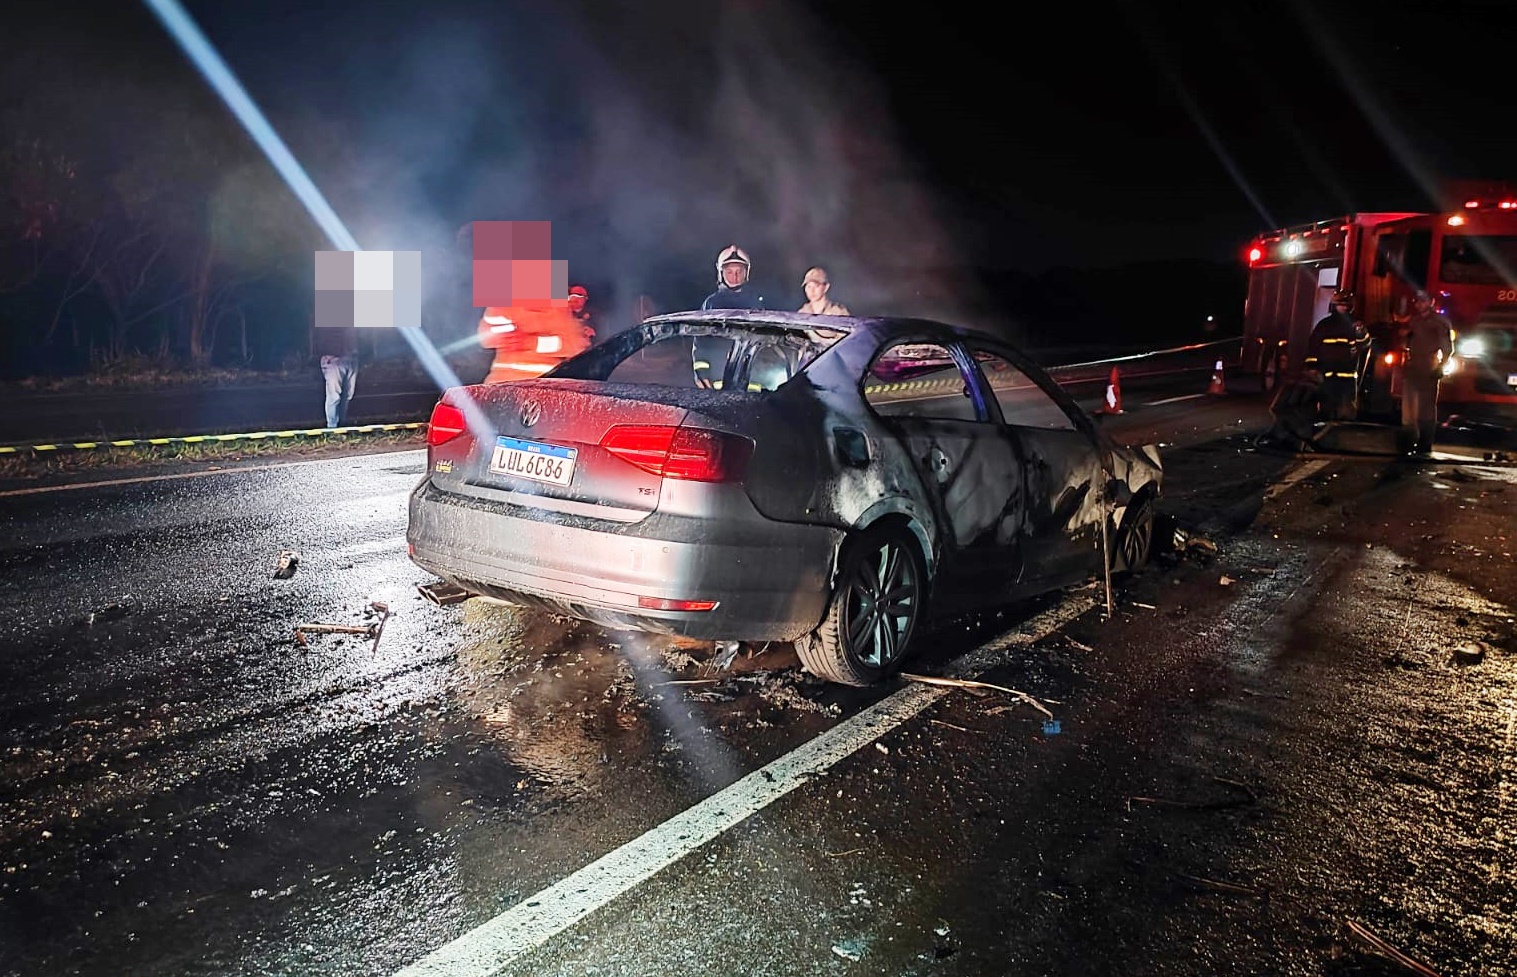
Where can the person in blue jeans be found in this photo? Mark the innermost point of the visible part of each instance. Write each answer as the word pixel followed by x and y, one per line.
pixel 338 348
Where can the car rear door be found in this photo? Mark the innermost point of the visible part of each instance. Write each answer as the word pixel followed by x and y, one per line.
pixel 1062 465
pixel 924 395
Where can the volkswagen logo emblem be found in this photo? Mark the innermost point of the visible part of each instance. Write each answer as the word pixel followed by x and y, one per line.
pixel 531 413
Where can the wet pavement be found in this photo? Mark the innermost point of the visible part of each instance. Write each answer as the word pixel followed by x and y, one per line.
pixel 1300 720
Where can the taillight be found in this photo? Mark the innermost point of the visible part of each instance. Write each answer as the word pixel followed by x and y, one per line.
pixel 446 424
pixel 1390 359
pixel 690 453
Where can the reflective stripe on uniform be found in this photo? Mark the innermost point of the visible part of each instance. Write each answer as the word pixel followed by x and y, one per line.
pixel 523 367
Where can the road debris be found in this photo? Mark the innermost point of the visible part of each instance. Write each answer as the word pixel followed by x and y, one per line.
pixel 848 951
pixel 963 683
pixel 285 564
pixel 962 729
pixel 316 627
pixel 1249 797
pixel 110 612
pixel 443 593
pixel 383 610
pixel 372 629
pixel 726 654
pixel 1227 888
pixel 1146 607
pixel 1389 952
pixel 1470 653
pixel 1226 581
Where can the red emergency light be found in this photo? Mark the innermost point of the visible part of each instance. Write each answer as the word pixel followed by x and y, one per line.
pixel 1254 254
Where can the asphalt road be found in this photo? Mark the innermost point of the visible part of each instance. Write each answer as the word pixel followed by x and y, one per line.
pixel 1266 743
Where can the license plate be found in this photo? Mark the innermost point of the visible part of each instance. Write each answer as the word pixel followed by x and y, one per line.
pixel 1511 379
pixel 533 460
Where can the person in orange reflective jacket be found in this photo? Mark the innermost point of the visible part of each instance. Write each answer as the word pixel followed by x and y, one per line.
pixel 529 340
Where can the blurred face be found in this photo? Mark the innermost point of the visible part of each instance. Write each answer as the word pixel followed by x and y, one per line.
pixel 734 274
pixel 1422 303
pixel 1340 306
pixel 816 286
pixel 577 301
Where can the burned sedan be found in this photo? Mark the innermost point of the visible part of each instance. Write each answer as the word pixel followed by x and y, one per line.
pixel 824 481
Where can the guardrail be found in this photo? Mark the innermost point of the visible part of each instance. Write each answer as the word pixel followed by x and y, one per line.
pixel 1194 357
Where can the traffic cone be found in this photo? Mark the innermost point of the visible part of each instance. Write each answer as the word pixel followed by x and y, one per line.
pixel 1113 403
pixel 1218 381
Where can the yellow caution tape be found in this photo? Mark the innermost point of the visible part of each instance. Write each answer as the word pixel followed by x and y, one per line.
pixel 12 449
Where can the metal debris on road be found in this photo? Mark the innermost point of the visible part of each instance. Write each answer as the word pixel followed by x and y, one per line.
pixel 726 654
pixel 1146 607
pixel 1386 950
pixel 284 566
pixel 964 683
pixel 1227 888
pixel 1226 581
pixel 1250 798
pixel 110 612
pixel 383 610
pixel 850 951
pixel 962 729
pixel 364 629
pixel 371 630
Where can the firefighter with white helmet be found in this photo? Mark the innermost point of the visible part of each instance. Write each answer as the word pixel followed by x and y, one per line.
pixel 733 291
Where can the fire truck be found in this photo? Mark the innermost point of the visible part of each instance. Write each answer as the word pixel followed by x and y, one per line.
pixel 1466 258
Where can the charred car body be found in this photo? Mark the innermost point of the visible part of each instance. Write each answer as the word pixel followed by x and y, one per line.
pixel 842 473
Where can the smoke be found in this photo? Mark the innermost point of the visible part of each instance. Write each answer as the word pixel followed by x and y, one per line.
pixel 651 138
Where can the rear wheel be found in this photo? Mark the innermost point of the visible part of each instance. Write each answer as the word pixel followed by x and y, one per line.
pixel 1135 537
pixel 874 610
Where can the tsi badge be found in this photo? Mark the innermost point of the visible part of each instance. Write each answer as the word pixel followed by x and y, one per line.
pixel 445 466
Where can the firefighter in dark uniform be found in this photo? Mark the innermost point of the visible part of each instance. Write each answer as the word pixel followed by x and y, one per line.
pixel 1336 352
pixel 1429 341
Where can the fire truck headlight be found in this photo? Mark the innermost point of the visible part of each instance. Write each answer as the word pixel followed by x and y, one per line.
pixel 1451 366
pixel 1472 347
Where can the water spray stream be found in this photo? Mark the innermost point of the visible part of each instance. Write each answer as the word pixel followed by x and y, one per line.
pixel 215 71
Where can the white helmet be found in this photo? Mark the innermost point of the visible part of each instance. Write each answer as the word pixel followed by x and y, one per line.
pixel 732 254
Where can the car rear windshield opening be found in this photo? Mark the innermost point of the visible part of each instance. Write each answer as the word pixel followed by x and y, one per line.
pixel 750 358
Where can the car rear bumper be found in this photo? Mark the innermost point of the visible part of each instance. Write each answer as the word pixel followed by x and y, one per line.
pixel 770 580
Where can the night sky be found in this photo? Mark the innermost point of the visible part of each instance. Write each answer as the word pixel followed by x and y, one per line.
pixel 899 144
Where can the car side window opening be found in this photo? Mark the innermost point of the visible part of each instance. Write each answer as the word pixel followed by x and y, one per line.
pixel 919 380
pixel 1023 403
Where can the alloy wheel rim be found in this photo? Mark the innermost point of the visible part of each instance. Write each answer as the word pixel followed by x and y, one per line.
pixel 882 606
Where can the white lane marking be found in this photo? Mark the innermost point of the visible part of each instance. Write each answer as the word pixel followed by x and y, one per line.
pixel 529 924
pixel 1305 470
pixel 1175 400
pixel 219 471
